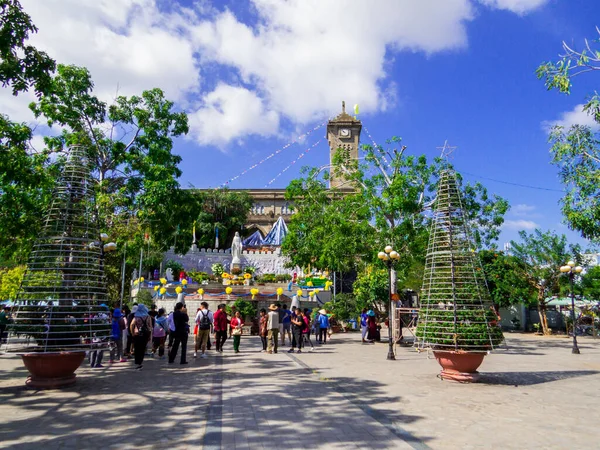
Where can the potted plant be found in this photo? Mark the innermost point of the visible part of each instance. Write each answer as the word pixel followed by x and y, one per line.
pixel 61 305
pixel 457 319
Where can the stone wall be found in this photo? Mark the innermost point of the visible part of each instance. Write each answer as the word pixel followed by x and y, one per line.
pixel 202 260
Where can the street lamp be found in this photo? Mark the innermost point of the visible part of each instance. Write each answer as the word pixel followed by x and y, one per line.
pixel 571 269
pixel 389 256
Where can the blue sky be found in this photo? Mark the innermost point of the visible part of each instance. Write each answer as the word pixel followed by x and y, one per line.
pixel 255 75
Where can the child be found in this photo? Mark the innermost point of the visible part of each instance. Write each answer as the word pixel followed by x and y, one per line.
pixel 118 325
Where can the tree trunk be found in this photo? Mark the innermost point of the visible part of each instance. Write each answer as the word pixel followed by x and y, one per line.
pixel 542 313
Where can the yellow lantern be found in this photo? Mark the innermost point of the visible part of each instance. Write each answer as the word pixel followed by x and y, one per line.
pixel 200 291
pixel 309 284
pixel 163 291
pixel 142 279
pixel 178 289
pixel 254 292
pixel 184 281
pixel 311 293
pixel 228 291
pixel 279 291
pixel 156 288
pixel 163 281
pixel 299 293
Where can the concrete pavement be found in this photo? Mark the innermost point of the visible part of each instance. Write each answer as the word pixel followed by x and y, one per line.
pixel 344 395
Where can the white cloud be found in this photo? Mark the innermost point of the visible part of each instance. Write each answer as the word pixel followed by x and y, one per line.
pixel 520 7
pixel 524 210
pixel 231 113
pixel 577 116
pixel 519 225
pixel 306 56
pixel 295 64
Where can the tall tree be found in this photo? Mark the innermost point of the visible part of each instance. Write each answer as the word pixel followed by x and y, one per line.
pixel 505 280
pixel 219 208
pixel 576 151
pixel 542 254
pixel 384 201
pixel 130 143
pixel 22 66
pixel 25 181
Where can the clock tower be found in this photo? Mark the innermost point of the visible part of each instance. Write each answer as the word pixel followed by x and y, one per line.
pixel 343 132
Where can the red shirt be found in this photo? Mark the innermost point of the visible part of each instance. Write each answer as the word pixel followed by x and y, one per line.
pixel 220 321
pixel 235 322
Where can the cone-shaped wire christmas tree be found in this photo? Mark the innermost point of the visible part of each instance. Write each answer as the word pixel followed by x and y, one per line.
pixel 60 305
pixel 456 309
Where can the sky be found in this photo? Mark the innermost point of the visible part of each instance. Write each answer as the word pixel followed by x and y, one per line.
pixel 259 79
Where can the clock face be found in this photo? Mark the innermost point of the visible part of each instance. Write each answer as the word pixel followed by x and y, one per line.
pixel 345 132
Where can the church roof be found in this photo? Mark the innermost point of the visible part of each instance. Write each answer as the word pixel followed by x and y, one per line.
pixel 254 240
pixel 277 233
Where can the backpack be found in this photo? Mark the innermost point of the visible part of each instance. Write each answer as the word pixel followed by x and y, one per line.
pixel 140 328
pixel 204 323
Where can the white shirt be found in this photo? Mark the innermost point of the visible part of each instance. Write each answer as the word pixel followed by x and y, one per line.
pixel 273 322
pixel 201 314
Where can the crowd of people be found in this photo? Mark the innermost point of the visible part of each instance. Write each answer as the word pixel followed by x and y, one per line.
pixel 140 332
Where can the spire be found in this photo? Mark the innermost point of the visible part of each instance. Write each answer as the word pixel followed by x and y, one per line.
pixel 343 107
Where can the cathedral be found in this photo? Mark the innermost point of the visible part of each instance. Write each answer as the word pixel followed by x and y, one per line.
pixel 269 204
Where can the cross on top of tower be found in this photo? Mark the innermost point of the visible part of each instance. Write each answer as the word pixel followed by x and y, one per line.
pixel 446 150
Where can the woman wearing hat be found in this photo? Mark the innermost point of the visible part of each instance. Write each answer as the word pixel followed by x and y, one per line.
pixel 118 325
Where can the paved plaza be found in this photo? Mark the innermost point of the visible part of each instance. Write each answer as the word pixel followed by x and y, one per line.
pixel 534 394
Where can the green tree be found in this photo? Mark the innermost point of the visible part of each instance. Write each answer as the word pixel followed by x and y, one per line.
pixel 542 254
pixel 10 281
pixel 22 66
pixel 219 208
pixel 504 277
pixel 25 182
pixel 576 151
pixel 385 201
pixel 134 167
pixel 590 283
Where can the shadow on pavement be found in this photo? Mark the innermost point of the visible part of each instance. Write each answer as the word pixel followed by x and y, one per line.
pixel 531 378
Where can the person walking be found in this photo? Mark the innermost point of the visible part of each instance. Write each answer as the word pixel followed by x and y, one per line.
pixel 285 324
pixel 204 322
pixel 236 331
pixel 371 326
pixel 306 331
pixel 297 329
pixel 263 329
pixel 363 325
pixel 180 335
pixel 220 327
pixel 116 337
pixel 141 332
pixel 273 329
pixel 129 343
pixel 4 321
pixel 159 333
pixel 323 326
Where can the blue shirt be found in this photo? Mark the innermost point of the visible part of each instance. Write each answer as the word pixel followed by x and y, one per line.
pixel 363 320
pixel 323 321
pixel 288 316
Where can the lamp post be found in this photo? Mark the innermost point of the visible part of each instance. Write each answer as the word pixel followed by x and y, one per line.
pixel 571 269
pixel 389 256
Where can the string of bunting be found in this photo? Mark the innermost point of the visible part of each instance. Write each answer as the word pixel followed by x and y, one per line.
pixel 294 162
pixel 289 144
pixel 375 145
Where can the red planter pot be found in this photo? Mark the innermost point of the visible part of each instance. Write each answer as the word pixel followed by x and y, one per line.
pixel 459 366
pixel 52 370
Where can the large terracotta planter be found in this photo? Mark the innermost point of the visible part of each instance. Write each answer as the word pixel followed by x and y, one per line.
pixel 459 366
pixel 52 370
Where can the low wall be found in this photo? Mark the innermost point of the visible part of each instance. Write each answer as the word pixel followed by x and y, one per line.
pixel 202 260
